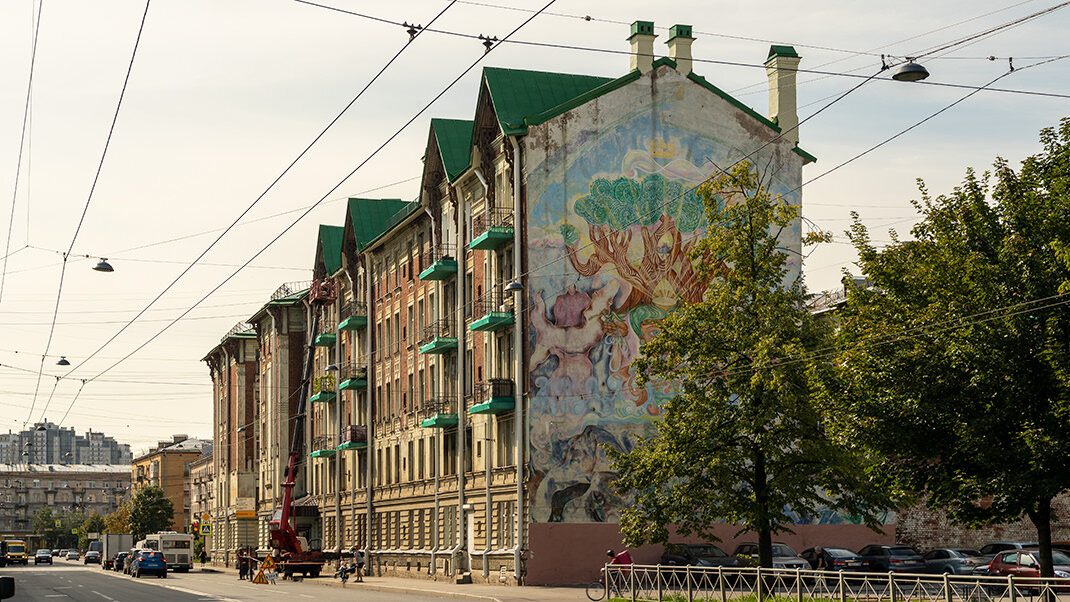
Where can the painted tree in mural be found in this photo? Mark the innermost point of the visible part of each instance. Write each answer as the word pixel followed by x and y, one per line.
pixel 656 211
pixel 743 440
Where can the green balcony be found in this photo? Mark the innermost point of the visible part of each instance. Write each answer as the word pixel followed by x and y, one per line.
pixel 492 239
pixel 322 396
pixel 323 453
pixel 440 269
pixel 495 405
pixel 439 421
pixel 439 345
pixel 353 445
pixel 325 339
pixel 493 320
pixel 353 323
pixel 354 384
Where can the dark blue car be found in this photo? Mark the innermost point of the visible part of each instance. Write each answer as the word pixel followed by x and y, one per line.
pixel 148 562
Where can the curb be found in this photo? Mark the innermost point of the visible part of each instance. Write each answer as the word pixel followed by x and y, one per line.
pixel 406 590
pixel 380 587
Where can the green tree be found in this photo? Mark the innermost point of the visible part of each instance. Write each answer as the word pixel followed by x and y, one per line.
pixel 119 520
pixel 44 524
pixel 742 440
pixel 93 523
pixel 956 363
pixel 150 511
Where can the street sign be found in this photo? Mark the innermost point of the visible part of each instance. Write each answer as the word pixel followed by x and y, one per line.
pixel 206 529
pixel 93 535
pixel 59 524
pixel 268 564
pixel 245 514
pixel 260 579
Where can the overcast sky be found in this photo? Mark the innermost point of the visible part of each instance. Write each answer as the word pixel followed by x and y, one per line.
pixel 224 94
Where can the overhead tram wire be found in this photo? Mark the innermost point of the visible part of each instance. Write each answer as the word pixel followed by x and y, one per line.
pixel 22 143
pixel 655 55
pixel 89 199
pixel 334 188
pixel 270 187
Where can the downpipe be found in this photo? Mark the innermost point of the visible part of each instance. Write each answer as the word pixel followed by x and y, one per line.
pixel 518 387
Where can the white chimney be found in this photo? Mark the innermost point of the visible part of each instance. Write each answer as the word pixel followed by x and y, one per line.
pixel 680 47
pixel 781 67
pixel 642 40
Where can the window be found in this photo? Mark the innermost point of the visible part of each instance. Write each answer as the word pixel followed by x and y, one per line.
pixel 506 442
pixel 1025 559
pixel 420 459
pixel 1009 558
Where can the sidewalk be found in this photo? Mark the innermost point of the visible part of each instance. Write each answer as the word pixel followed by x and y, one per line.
pixel 443 589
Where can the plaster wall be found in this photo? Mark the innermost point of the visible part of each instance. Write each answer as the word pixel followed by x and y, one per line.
pixel 611 213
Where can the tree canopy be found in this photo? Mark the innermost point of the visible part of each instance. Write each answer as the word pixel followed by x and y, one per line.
pixel 150 511
pixel 742 441
pixel 956 360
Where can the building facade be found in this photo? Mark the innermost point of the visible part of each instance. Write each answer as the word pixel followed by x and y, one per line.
pixel 167 466
pixel 65 488
pixel 471 349
pixel 49 443
pixel 202 491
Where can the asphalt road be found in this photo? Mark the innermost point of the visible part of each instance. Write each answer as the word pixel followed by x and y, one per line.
pixel 65 581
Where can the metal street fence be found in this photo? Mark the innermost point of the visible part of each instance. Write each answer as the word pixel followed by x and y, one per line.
pixel 721 584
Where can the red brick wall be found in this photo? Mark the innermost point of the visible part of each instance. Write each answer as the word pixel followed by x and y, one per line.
pixel 926 529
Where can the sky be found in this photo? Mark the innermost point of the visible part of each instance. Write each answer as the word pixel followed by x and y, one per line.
pixel 224 94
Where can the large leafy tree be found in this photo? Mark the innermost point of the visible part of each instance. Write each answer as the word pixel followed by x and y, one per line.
pixel 956 362
pixel 119 520
pixel 150 511
pixel 93 523
pixel 742 441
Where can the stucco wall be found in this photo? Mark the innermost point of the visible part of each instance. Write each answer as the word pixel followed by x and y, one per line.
pixel 566 554
pixel 611 215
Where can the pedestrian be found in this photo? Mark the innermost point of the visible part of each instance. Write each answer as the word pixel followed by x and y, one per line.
pixel 358 576
pixel 243 565
pixel 204 556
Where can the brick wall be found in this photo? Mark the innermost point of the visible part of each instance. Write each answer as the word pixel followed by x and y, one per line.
pixel 926 529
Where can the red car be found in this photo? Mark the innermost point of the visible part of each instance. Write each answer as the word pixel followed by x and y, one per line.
pixel 1025 566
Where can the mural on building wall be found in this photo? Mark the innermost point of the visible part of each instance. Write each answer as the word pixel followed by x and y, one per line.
pixel 612 217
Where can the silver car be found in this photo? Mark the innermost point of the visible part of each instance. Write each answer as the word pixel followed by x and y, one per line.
pixel 783 556
pixel 953 561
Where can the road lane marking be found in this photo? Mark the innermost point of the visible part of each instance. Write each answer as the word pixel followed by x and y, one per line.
pixel 103 596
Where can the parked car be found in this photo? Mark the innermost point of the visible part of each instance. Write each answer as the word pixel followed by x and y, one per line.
pixel 697 554
pixel 783 556
pixel 72 555
pixel 120 559
pixel 92 556
pixel 836 559
pixel 148 562
pixel 1025 566
pixel 990 549
pixel 42 556
pixel 893 558
pixel 953 561
pixel 57 552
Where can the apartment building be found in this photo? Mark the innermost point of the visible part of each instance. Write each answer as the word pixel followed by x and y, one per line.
pixel 202 490
pixel 233 368
pixel 65 488
pixel 167 466
pixel 280 327
pixel 471 349
pixel 49 443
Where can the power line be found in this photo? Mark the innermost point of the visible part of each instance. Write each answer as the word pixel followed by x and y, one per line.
pixel 89 198
pixel 696 60
pixel 390 139
pixel 22 142
pixel 270 187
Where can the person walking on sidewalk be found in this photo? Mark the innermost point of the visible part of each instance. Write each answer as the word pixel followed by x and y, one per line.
pixel 243 565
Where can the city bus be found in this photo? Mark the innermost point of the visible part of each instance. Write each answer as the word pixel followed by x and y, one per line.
pixel 177 548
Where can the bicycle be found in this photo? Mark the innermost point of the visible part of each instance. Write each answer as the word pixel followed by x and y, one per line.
pixel 598 590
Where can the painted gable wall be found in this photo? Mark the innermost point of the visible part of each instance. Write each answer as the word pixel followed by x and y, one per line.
pixel 590 172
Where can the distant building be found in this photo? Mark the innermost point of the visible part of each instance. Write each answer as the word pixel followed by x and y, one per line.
pixel 49 443
pixel 167 466
pixel 65 488
pixel 201 485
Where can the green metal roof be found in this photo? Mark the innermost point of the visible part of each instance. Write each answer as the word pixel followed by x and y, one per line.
pixel 329 248
pixel 370 218
pixel 518 93
pixel 454 138
pixel 788 51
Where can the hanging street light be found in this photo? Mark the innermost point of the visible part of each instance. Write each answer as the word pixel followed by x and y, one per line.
pixel 103 265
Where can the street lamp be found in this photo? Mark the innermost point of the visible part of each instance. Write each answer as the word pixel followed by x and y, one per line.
pixel 103 265
pixel 910 72
pixel 514 287
pixel 63 361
